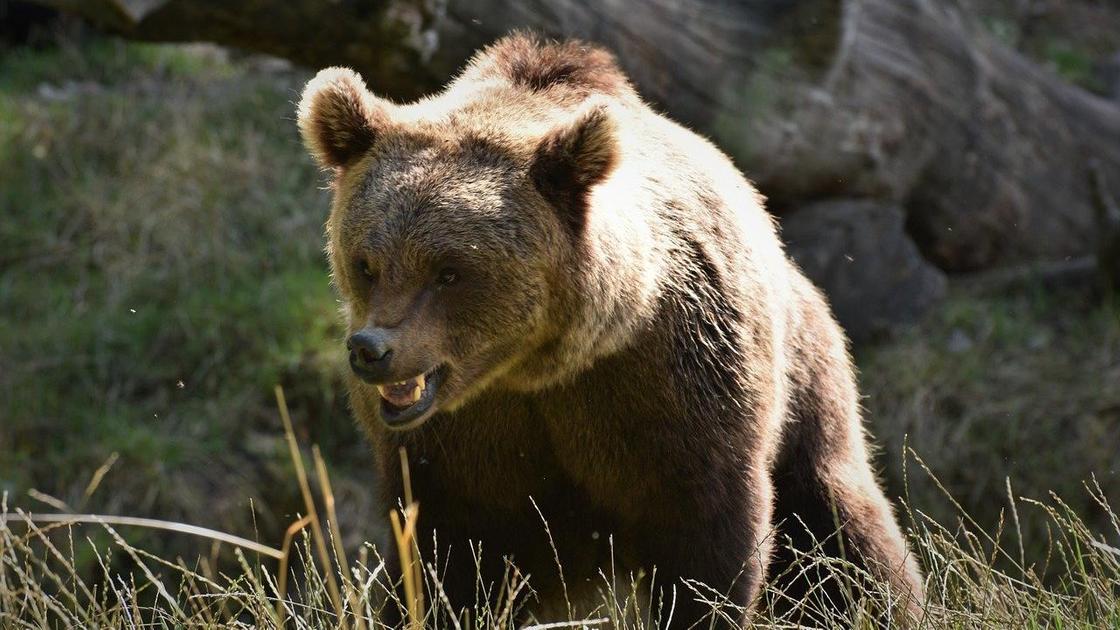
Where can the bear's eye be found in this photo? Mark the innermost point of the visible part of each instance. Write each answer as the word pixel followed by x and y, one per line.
pixel 447 277
pixel 366 270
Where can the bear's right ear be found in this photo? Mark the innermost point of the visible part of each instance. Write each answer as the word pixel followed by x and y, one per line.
pixel 339 118
pixel 572 159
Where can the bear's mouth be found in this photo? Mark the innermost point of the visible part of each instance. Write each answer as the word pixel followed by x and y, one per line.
pixel 406 404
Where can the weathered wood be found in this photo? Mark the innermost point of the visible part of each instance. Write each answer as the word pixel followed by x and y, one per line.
pixel 390 41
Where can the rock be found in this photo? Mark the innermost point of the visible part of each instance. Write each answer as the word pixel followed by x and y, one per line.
pixel 860 255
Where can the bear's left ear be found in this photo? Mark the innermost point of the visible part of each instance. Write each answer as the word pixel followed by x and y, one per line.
pixel 568 162
pixel 339 118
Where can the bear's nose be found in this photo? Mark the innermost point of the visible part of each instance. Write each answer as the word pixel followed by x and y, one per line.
pixel 370 353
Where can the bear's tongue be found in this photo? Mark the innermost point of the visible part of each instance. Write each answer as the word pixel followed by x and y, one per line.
pixel 403 393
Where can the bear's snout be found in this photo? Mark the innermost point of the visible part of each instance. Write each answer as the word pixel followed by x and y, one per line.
pixel 393 360
pixel 371 352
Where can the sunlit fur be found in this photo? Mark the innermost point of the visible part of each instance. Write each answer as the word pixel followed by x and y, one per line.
pixel 628 344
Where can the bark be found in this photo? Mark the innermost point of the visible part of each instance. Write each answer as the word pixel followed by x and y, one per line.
pixel 907 102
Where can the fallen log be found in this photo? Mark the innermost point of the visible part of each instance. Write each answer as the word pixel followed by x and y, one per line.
pixel 907 102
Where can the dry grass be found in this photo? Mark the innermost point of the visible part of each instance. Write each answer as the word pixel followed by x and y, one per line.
pixel 975 578
pixel 1023 387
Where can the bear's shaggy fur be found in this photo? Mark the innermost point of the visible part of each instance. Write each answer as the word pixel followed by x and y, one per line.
pixel 614 338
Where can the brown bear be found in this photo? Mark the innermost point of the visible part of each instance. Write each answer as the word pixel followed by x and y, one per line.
pixel 571 310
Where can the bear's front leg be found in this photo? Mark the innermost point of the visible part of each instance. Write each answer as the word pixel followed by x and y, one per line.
pixel 711 565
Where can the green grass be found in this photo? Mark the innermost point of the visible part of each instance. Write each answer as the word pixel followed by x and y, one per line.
pixel 1020 389
pixel 161 271
pixel 106 62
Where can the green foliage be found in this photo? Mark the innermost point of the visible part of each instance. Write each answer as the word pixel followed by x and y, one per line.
pixel 161 271
pixel 105 62
pixel 1017 389
pixel 1071 62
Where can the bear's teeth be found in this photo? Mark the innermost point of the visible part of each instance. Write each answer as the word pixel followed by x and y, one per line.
pixel 403 393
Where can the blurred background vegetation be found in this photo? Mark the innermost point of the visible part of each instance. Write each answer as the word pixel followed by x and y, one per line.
pixel 161 270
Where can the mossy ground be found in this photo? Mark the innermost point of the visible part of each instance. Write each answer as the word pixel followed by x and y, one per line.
pixel 161 271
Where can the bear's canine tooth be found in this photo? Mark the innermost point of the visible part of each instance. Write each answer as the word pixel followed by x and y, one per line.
pixel 414 393
pixel 417 388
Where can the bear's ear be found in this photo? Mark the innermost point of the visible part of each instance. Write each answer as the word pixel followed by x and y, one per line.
pixel 339 118
pixel 569 161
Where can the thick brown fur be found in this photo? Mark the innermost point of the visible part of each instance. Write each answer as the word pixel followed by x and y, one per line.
pixel 628 353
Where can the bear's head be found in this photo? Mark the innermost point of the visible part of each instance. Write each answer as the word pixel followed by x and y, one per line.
pixel 455 235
